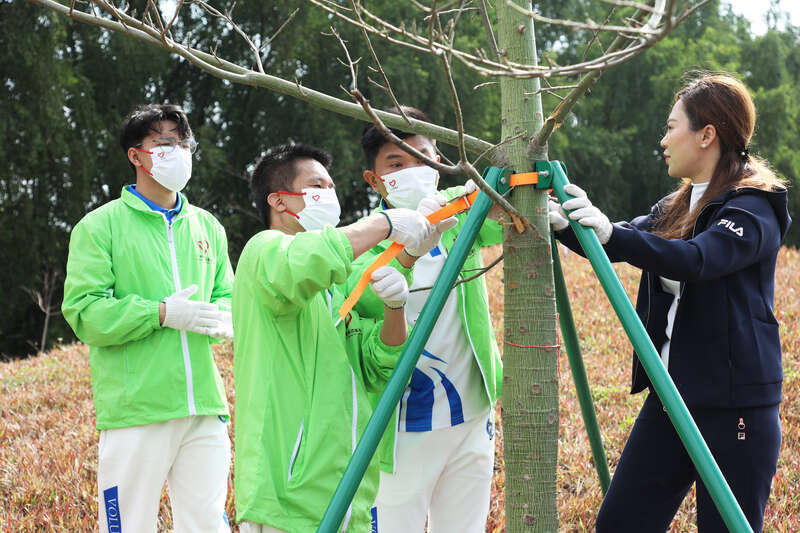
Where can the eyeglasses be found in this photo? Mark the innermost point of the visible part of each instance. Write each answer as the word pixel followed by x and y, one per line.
pixel 168 144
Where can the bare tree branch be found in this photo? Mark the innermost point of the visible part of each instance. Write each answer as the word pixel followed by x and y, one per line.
pixel 481 272
pixel 590 25
pixel 224 69
pixel 647 36
pixel 279 30
pixel 557 117
pixel 462 152
pixel 386 85
pixel 351 65
pixel 487 24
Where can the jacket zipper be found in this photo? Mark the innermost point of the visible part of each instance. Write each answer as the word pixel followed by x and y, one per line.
pixel 683 284
pixel 646 322
pixel 354 425
pixel 187 362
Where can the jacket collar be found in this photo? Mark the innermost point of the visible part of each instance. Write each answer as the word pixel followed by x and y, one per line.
pixel 134 202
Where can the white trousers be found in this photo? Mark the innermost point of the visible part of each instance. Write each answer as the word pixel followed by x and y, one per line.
pixel 444 475
pixel 192 454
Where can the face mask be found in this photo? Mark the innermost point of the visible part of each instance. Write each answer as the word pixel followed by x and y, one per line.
pixel 172 169
pixel 322 209
pixel 407 187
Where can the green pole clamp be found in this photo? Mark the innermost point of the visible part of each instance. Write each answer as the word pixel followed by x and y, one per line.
pixel 543 181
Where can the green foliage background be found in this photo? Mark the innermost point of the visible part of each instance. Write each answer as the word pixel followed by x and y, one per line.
pixel 66 88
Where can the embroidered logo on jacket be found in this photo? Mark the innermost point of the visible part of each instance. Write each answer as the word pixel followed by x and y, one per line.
pixel 731 226
pixel 203 248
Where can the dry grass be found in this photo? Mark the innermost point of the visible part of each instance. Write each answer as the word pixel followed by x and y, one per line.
pixel 48 445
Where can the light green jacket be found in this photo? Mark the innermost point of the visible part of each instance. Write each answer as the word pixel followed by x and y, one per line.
pixel 301 380
pixel 473 306
pixel 123 260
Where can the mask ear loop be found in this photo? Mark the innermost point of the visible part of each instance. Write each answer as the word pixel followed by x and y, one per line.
pixel 145 152
pixel 376 175
pixel 295 215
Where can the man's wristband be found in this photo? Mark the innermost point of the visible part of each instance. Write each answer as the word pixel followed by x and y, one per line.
pixel 409 254
pixel 389 220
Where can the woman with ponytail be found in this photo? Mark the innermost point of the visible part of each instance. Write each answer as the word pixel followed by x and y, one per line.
pixel 707 254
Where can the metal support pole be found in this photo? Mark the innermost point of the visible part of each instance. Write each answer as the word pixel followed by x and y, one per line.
pixel 582 390
pixel 673 403
pixel 399 379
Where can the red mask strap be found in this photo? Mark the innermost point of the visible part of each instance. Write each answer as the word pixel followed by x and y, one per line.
pixel 145 152
pixel 291 194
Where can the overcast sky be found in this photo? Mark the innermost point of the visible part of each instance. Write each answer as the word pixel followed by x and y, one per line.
pixel 755 10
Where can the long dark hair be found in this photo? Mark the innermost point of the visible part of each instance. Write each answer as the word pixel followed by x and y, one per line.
pixel 723 102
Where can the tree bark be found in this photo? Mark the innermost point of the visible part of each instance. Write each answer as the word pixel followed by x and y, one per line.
pixel 530 384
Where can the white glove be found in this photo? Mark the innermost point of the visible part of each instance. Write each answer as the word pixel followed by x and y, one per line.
pixel 390 286
pixel 470 186
pixel 182 313
pixel 557 216
pixel 409 227
pixel 586 214
pixel 427 206
pixel 225 329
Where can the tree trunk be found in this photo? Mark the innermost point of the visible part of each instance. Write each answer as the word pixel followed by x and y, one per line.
pixel 530 385
pixel 42 344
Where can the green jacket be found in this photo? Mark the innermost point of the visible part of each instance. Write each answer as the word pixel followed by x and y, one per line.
pixel 473 306
pixel 301 379
pixel 123 260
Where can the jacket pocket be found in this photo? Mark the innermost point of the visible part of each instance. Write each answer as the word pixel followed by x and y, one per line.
pixel 295 451
pixel 757 360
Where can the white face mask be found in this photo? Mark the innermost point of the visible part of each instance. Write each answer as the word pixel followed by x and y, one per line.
pixel 322 209
pixel 407 187
pixel 171 169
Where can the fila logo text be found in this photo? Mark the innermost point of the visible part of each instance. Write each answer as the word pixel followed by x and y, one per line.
pixel 731 226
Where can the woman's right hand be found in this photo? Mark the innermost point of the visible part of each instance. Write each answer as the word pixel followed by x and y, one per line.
pixel 582 210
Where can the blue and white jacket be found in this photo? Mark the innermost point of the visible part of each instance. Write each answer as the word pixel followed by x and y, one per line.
pixel 725 349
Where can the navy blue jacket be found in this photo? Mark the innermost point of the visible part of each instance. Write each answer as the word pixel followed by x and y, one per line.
pixel 725 349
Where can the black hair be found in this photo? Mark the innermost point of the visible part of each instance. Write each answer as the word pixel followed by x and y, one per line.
pixel 276 171
pixel 139 124
pixel 372 140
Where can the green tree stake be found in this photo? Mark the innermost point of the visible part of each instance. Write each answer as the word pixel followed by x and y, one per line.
pixel 582 390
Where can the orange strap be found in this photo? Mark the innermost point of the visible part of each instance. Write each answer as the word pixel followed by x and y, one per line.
pixel 459 205
pixel 525 178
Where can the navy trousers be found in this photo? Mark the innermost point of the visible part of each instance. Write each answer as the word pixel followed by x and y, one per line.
pixel 655 472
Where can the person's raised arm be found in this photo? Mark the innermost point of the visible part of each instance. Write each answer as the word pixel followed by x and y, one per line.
pixel 403 226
